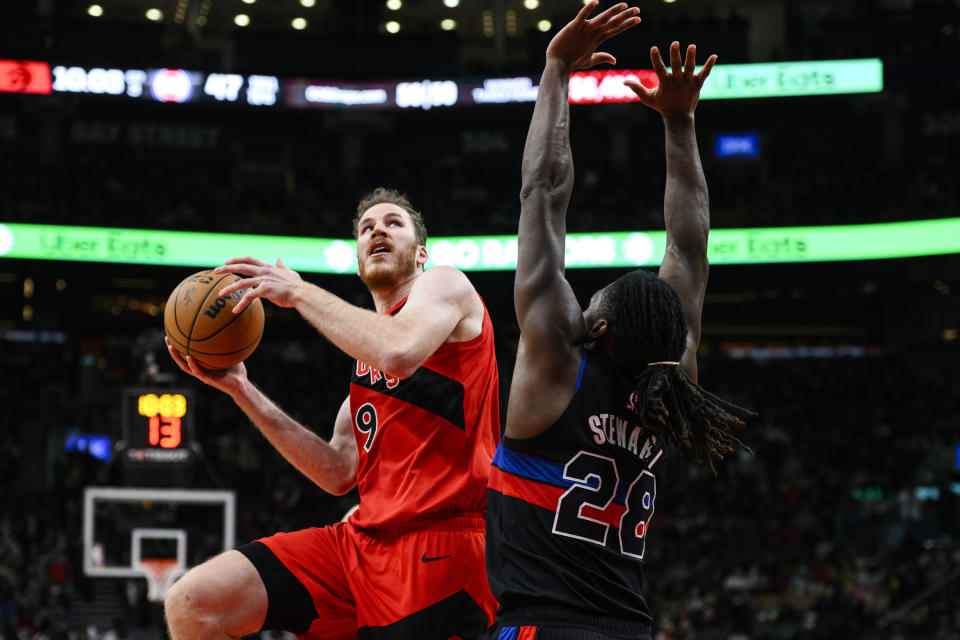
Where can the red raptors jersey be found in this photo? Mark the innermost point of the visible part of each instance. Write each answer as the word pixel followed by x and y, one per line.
pixel 426 443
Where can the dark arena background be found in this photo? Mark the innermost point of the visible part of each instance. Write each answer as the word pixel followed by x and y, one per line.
pixel 124 121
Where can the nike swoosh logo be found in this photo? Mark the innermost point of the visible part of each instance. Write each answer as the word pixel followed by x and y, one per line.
pixel 426 558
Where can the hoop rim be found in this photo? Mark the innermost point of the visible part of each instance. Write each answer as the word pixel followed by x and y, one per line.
pixel 160 573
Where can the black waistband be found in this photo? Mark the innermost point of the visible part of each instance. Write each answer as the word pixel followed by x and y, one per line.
pixel 555 616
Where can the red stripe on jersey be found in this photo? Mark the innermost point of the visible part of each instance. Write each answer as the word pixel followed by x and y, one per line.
pixel 547 496
pixel 610 516
pixel 535 493
pixel 527 633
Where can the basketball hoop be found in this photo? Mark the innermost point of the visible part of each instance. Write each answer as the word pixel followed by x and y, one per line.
pixel 161 573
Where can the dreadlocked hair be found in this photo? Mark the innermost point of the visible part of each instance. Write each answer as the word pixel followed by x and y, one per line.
pixel 648 326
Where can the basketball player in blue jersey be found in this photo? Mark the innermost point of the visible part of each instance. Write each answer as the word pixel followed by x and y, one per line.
pixel 604 400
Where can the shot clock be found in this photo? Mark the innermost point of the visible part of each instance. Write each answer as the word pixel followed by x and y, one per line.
pixel 157 425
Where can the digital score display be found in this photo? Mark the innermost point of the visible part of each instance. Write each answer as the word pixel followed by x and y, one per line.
pixel 157 425
pixel 176 86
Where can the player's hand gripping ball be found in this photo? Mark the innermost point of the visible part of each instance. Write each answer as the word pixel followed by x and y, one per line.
pixel 201 324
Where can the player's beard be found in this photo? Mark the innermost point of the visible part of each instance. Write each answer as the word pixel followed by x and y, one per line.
pixel 383 276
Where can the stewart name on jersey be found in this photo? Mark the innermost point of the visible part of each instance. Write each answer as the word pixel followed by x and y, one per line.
pixel 425 443
pixel 569 509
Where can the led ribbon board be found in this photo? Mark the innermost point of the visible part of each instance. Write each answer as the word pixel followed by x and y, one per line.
pixel 481 253
pixel 729 81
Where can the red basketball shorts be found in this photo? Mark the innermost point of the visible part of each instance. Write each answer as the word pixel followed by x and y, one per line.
pixel 424 580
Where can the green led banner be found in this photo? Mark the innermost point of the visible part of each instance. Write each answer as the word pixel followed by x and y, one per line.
pixel 481 253
pixel 784 79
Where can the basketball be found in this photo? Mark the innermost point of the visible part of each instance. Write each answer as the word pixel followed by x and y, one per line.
pixel 201 324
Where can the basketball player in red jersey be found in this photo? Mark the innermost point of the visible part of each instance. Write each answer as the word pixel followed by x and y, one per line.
pixel 416 435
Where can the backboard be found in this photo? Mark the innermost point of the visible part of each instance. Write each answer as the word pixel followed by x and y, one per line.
pixel 154 533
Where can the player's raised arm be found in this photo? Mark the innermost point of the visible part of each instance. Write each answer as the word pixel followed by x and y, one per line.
pixel 547 310
pixel 552 331
pixel 686 205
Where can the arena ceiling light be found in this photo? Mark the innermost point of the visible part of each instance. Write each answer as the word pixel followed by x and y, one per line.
pixel 531 4
pixel 299 24
pixel 451 3
pixel 394 5
pixel 544 25
pixel 154 14
pixel 181 13
pixel 95 10
pixel 241 20
pixel 448 24
pixel 249 1
pixel 308 3
pixel 392 27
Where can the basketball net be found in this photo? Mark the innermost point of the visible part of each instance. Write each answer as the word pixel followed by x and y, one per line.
pixel 161 573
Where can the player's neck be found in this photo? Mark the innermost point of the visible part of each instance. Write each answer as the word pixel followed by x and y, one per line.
pixel 389 296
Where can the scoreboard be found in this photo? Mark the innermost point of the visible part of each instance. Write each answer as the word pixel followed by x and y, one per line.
pixel 157 426
pixel 168 85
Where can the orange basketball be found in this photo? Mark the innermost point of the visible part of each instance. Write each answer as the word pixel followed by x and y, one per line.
pixel 201 324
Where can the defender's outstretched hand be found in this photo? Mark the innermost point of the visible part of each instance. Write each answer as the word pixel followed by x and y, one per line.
pixel 576 44
pixel 277 283
pixel 678 92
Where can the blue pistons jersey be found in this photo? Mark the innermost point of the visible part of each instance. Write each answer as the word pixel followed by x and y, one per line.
pixel 568 511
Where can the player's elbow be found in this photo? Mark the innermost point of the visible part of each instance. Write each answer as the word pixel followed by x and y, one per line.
pixel 550 179
pixel 530 284
pixel 692 251
pixel 546 189
pixel 342 487
pixel 342 477
pixel 401 362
